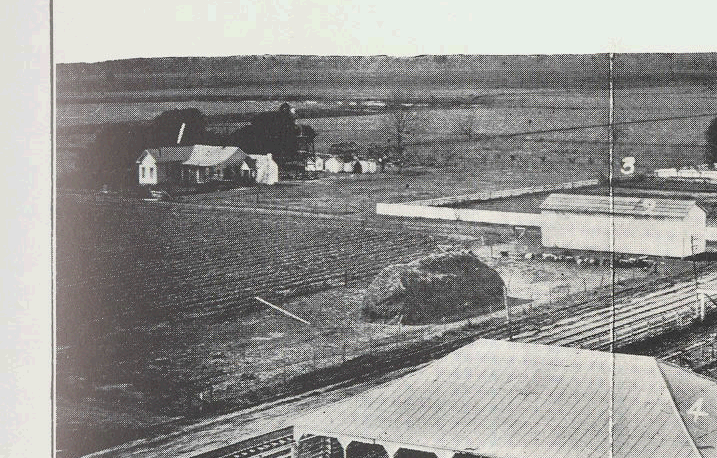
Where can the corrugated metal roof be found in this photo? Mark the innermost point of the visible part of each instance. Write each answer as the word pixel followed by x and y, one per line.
pixel 637 206
pixel 502 399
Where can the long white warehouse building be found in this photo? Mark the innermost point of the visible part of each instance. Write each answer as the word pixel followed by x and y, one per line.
pixel 649 226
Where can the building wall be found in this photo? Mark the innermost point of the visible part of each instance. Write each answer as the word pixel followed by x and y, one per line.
pixel 633 234
pixel 696 225
pixel 147 170
pixel 333 165
pixel 267 171
pixel 165 172
pixel 459 214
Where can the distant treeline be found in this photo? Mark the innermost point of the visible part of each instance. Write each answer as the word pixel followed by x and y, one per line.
pixel 531 71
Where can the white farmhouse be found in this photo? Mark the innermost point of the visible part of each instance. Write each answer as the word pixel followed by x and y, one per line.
pixel 203 163
pixel 160 165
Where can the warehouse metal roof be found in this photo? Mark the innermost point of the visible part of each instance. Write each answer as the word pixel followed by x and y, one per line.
pixel 636 206
pixel 504 400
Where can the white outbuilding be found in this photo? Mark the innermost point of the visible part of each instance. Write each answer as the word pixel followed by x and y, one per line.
pixel 641 225
pixel 372 166
pixel 364 167
pixel 334 165
pixel 314 164
pixel 266 169
pixel 350 166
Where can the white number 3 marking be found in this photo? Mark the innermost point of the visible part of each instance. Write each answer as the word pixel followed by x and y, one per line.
pixel 628 165
pixel 696 410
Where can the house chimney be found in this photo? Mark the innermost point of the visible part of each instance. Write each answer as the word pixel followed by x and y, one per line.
pixel 181 132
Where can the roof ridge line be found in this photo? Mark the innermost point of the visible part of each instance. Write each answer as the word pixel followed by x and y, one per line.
pixel 692 373
pixel 676 410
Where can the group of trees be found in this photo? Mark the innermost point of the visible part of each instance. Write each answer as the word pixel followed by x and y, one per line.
pixel 275 132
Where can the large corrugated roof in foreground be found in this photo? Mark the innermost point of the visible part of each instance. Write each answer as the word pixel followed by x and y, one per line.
pixel 623 205
pixel 504 400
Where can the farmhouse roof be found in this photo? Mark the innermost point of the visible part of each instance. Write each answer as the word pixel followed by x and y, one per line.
pixel 250 162
pixel 198 155
pixel 503 399
pixel 209 156
pixel 622 205
pixel 168 153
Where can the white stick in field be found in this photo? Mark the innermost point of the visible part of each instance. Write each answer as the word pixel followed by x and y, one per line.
pixel 181 132
pixel 291 315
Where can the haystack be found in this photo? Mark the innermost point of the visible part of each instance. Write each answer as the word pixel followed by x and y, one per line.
pixel 440 286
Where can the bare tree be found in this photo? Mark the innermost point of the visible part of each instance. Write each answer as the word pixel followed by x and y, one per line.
pixel 711 137
pixel 466 126
pixel 400 122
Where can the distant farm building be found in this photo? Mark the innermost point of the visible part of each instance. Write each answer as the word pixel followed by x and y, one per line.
pixel 505 400
pixel 367 166
pixel 350 166
pixel 202 164
pixel 334 165
pixel 702 173
pixel 266 171
pixel 314 164
pixel 650 226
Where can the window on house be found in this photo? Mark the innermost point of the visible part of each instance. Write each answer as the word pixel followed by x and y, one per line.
pixel 142 172
pixel 151 172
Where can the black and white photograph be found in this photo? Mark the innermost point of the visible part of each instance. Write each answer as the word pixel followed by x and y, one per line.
pixel 326 230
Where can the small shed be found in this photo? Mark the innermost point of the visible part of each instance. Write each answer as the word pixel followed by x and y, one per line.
pixel 372 166
pixel 266 169
pixel 314 164
pixel 334 165
pixel 641 225
pixel 351 167
pixel 365 167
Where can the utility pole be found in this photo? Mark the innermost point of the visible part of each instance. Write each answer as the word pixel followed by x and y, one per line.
pixel 700 300
pixel 507 313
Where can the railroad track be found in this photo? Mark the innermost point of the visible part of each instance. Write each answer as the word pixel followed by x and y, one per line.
pixel 275 444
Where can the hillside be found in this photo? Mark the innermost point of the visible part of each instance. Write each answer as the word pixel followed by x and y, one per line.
pixel 533 71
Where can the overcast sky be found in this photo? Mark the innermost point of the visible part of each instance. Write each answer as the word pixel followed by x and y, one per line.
pixel 95 31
